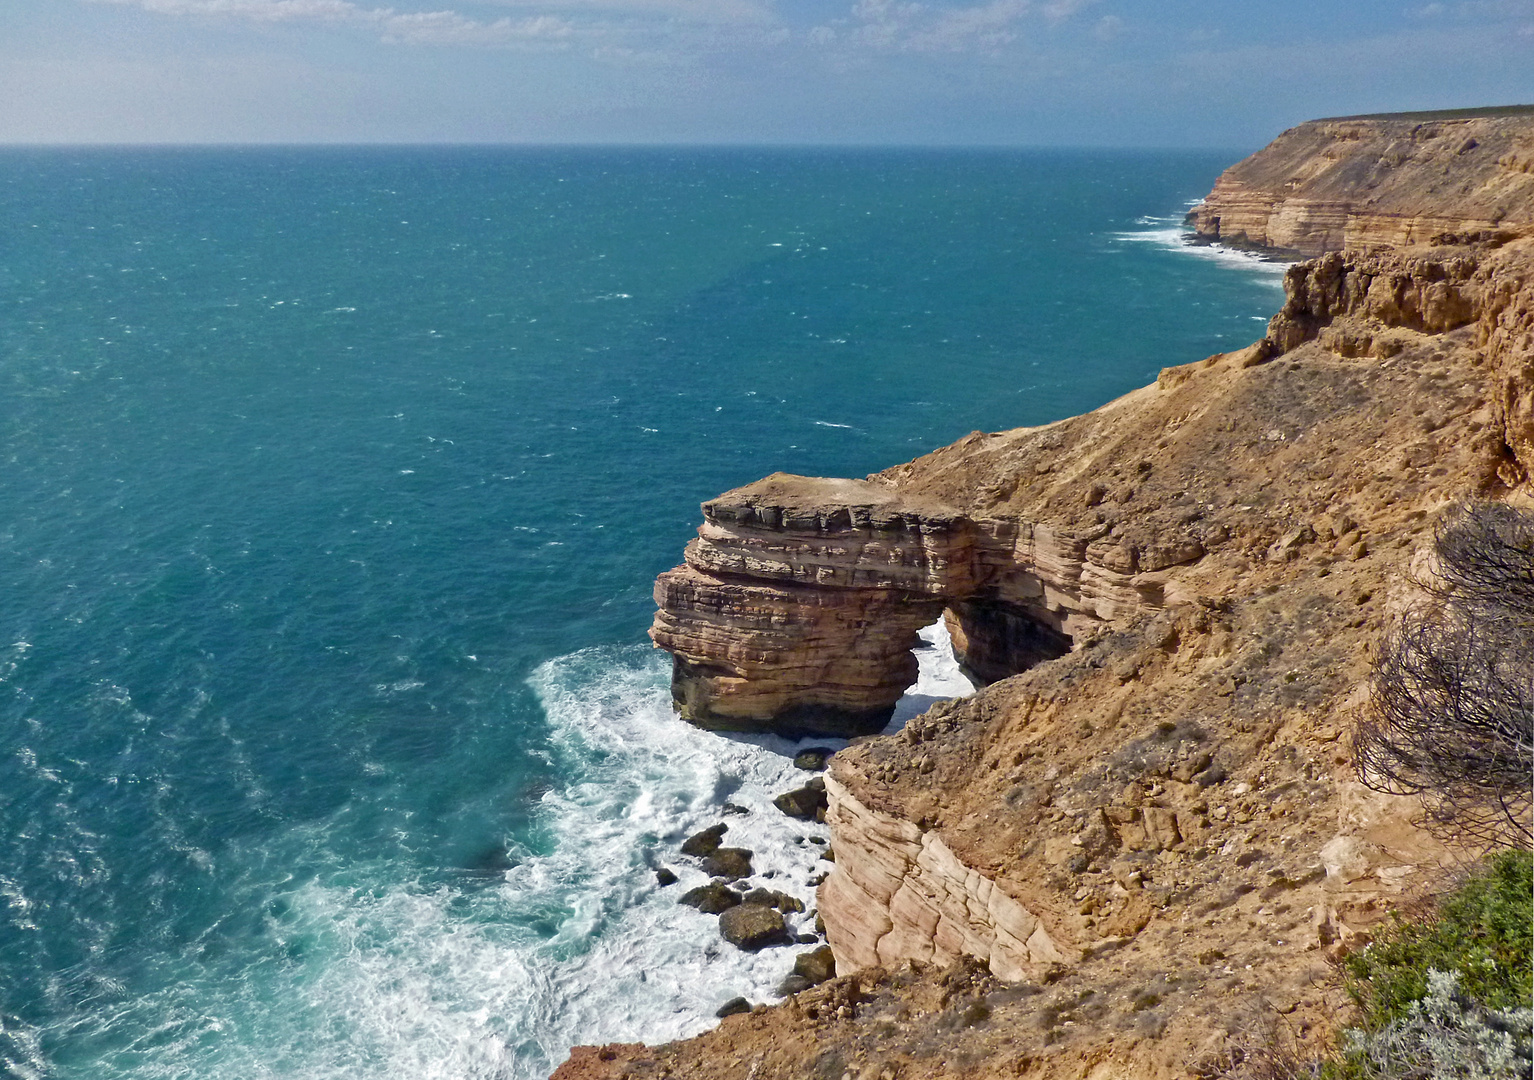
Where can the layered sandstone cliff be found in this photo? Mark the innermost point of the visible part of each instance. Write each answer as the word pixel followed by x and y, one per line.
pixel 1141 854
pixel 800 599
pixel 799 602
pixel 1379 182
pixel 1140 848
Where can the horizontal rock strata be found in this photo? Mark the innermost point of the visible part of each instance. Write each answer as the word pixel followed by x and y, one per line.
pixel 1378 182
pixel 898 893
pixel 1091 867
pixel 800 598
pixel 798 605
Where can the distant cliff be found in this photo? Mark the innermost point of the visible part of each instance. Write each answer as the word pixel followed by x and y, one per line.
pixel 1372 182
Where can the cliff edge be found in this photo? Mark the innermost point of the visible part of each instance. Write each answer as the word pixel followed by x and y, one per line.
pixel 1141 846
pixel 1379 182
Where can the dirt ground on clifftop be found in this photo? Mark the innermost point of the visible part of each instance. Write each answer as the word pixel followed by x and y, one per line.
pixel 1174 798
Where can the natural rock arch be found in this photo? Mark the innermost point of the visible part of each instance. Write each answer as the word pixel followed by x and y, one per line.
pixel 798 604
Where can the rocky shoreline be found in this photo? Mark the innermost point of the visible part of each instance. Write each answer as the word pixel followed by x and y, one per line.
pixel 1143 840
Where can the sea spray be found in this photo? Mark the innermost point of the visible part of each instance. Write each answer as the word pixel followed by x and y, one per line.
pixel 630 962
pixel 1170 234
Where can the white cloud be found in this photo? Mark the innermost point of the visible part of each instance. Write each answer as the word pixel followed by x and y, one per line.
pixel 1108 28
pixel 696 11
pixel 910 26
pixel 1060 10
pixel 258 10
pixel 1475 10
pixel 450 28
pixel 984 26
pixel 395 27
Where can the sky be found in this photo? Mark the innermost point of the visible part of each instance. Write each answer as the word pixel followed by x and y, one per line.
pixel 1108 73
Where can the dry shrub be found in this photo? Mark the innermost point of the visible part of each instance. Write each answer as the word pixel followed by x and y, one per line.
pixel 1452 716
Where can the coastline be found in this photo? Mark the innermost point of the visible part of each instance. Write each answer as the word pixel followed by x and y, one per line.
pixel 1197 659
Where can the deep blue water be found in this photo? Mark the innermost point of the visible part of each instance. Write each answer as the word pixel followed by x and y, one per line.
pixel 333 484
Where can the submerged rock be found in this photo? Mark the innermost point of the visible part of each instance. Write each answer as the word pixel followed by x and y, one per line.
pixel 711 899
pixel 730 863
pixel 804 803
pixel 813 759
pixel 816 966
pixel 774 899
pixel 792 984
pixel 752 927
pixel 706 842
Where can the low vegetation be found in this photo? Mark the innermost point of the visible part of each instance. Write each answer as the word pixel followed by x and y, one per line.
pixel 1448 994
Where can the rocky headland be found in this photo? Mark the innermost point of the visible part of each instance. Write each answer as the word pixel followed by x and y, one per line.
pixel 1141 846
pixel 1367 182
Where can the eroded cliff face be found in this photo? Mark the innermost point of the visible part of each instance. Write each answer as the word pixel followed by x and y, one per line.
pixel 900 894
pixel 800 599
pixel 1378 182
pixel 1135 854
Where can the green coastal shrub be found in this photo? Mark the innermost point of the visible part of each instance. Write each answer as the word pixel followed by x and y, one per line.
pixel 1444 1036
pixel 1449 995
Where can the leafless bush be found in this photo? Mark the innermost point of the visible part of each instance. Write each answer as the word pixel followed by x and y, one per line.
pixel 1453 696
pixel 1486 557
pixel 1260 1047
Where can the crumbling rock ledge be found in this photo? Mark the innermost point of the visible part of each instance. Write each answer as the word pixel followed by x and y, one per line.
pixel 799 601
pixel 1364 183
pixel 898 893
pixel 1147 844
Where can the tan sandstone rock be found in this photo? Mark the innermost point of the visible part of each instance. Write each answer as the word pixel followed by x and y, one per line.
pixel 1109 862
pixel 1378 182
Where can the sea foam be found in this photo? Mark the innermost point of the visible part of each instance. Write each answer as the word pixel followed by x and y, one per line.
pixel 627 962
pixel 1168 233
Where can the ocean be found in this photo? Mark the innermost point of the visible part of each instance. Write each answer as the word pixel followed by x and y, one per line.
pixel 334 484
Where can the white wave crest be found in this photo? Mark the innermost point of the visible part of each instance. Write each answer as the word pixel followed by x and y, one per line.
pixel 1173 237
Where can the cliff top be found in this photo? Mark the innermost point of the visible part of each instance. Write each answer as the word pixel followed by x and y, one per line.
pixel 1438 114
pixel 1373 182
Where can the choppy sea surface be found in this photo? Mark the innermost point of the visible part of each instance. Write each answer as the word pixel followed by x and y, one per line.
pixel 332 487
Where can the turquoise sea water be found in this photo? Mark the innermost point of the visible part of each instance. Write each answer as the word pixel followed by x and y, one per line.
pixel 333 486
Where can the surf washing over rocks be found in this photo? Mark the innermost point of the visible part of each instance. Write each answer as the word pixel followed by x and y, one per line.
pixel 338 480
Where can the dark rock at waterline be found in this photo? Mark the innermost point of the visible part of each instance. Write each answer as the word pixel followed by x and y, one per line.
pixel 734 808
pixel 753 926
pixel 817 965
pixel 813 759
pixel 733 1007
pixel 664 877
pixel 730 863
pixel 807 939
pixel 706 842
pixel 793 984
pixel 774 899
pixel 804 803
pixel 711 899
